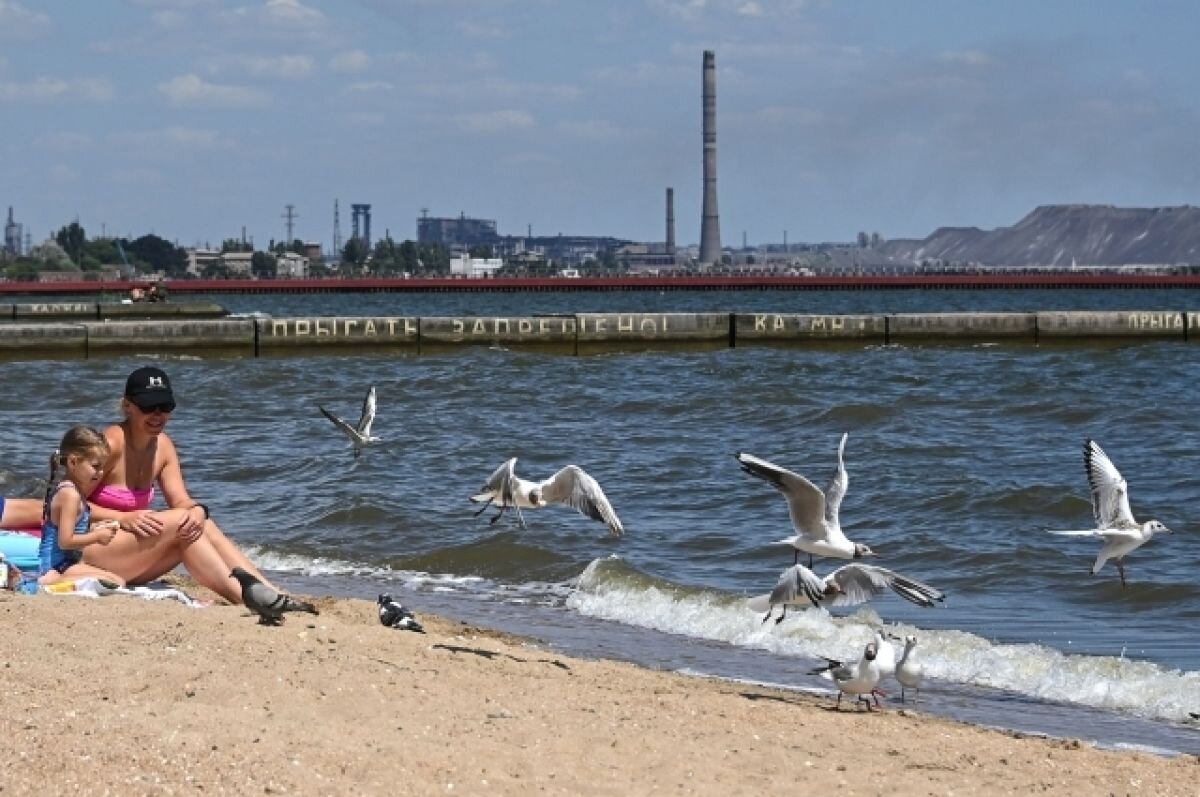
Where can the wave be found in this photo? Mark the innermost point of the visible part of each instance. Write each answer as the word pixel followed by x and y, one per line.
pixel 611 589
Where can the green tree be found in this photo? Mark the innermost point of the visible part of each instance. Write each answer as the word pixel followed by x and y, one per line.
pixel 263 265
pixel 354 252
pixel 158 254
pixel 72 238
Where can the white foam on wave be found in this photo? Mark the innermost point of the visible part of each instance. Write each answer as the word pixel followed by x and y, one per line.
pixel 1138 687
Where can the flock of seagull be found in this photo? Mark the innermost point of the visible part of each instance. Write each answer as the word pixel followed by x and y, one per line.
pixel 815 519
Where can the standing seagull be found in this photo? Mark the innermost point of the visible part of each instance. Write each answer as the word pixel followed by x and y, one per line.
pixel 909 671
pixel 570 486
pixel 814 513
pixel 360 436
pixel 849 585
pixel 1114 519
pixel 858 679
pixel 268 604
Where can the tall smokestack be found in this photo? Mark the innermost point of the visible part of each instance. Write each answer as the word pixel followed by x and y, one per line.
pixel 670 221
pixel 710 223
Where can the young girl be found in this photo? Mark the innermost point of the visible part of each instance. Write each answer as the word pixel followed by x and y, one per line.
pixel 66 518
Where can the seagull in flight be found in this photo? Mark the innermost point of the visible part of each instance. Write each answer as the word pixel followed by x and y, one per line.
pixel 849 585
pixel 1114 519
pixel 360 435
pixel 814 513
pixel 570 486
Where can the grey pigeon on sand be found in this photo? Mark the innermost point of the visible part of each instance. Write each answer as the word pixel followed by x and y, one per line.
pixel 394 614
pixel 268 604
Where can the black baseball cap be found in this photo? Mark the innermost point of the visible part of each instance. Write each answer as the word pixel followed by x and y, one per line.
pixel 149 387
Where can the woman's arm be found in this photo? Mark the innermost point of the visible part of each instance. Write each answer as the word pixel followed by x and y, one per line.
pixel 170 478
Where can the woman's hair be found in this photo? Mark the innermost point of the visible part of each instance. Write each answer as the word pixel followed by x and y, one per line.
pixel 81 441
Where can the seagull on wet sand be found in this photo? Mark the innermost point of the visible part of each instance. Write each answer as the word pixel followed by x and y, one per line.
pixel 1114 519
pixel 849 585
pixel 909 671
pixel 571 486
pixel 360 435
pixel 268 604
pixel 859 679
pixel 814 513
pixel 885 654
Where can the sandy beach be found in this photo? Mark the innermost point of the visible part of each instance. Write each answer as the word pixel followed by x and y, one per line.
pixel 124 695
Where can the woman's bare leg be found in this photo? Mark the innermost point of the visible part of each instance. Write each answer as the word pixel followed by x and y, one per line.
pixel 231 554
pixel 82 570
pixel 135 559
pixel 21 513
pixel 205 565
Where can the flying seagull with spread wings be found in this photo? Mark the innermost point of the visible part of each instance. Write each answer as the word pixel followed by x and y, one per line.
pixel 360 435
pixel 571 486
pixel 1110 505
pixel 849 585
pixel 814 513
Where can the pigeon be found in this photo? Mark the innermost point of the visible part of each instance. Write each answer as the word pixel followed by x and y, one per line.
pixel 1114 519
pixel 268 604
pixel 909 672
pixel 360 435
pixel 859 679
pixel 814 513
pixel 394 615
pixel 849 585
pixel 570 486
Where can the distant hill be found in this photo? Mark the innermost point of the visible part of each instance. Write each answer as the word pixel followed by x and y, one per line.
pixel 1057 235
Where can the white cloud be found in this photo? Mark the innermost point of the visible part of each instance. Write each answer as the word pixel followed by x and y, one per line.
pixel 62 173
pixel 488 122
pixel 369 87
pixel 590 129
pixel 476 30
pixel 169 19
pixel 288 67
pixel 176 138
pixel 968 57
pixel 291 15
pixel 18 22
pixel 49 90
pixel 61 141
pixel 352 61
pixel 750 9
pixel 192 90
pixel 696 10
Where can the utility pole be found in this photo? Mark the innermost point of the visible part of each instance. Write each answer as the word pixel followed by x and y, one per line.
pixel 290 215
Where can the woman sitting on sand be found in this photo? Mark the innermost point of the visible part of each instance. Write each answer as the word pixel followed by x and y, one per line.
pixel 152 543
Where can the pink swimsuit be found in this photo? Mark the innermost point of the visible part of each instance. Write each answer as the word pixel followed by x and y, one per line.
pixel 122 499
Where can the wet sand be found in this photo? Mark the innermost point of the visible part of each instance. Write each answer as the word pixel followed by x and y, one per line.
pixel 120 694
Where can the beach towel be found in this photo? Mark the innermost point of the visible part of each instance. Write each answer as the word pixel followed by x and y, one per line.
pixel 91 587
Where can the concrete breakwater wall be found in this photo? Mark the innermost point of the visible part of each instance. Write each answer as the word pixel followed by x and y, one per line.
pixel 575 333
pixel 99 311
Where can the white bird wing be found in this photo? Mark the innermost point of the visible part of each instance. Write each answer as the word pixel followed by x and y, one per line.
pixel 1110 493
pixel 575 488
pixel 368 414
pixel 806 504
pixel 349 430
pixel 860 583
pixel 502 482
pixel 798 584
pixel 836 490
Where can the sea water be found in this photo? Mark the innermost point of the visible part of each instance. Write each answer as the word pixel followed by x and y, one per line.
pixel 960 458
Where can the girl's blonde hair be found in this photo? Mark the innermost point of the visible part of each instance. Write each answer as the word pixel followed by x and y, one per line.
pixel 81 441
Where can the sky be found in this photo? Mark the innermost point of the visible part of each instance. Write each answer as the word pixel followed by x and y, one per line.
pixel 194 119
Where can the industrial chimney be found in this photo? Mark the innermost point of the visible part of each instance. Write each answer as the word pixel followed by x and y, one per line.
pixel 670 221
pixel 710 223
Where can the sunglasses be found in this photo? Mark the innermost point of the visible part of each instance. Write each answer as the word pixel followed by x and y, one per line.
pixel 165 407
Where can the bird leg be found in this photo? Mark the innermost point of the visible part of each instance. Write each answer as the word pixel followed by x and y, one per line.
pixel 875 693
pixel 810 560
pixel 482 508
pixel 499 514
pixel 768 615
pixel 867 701
pixel 782 615
pixel 1121 570
pixel 838 705
pixel 796 556
pixel 902 700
